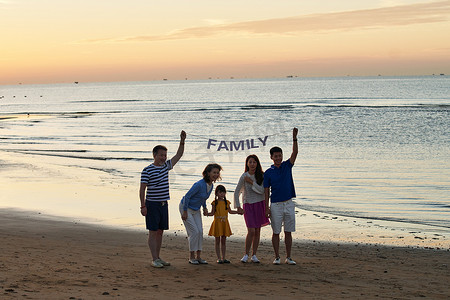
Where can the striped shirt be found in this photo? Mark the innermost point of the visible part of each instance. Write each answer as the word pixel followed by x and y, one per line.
pixel 157 180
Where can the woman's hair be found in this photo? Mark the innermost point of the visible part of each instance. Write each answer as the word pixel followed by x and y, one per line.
pixel 208 169
pixel 220 188
pixel 259 174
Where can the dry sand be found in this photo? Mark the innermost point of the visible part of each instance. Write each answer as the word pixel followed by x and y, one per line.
pixel 45 258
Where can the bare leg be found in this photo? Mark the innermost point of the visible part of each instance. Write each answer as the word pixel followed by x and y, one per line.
pixel 249 239
pixel 153 243
pixel 288 242
pixel 223 241
pixel 276 244
pixel 199 254
pixel 159 237
pixel 256 239
pixel 217 247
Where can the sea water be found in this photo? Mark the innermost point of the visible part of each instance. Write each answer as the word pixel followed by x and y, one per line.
pixel 374 152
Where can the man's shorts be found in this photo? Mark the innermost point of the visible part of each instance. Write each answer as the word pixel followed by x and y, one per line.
pixel 157 217
pixel 282 213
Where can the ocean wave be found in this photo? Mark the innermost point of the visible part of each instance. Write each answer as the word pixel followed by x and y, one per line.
pixel 45 150
pixel 298 106
pixel 68 155
pixel 359 215
pixel 274 107
pixel 294 106
pixel 436 204
pixel 444 106
pixel 226 107
pixel 234 107
pixel 110 171
pixel 107 101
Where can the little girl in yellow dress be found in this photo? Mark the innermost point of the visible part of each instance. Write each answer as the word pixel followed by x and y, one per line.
pixel 220 227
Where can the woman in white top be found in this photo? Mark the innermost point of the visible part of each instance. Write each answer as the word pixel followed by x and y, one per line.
pixel 250 185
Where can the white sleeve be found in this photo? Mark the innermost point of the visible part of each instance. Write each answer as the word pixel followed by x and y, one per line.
pixel 238 191
pixel 258 188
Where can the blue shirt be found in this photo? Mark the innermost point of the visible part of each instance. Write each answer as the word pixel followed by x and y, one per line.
pixel 196 196
pixel 280 181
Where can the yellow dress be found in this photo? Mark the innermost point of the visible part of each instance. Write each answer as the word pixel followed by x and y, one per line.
pixel 220 225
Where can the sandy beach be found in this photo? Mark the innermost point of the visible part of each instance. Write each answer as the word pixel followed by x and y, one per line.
pixel 44 257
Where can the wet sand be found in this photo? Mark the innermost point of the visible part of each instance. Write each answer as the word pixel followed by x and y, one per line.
pixel 49 258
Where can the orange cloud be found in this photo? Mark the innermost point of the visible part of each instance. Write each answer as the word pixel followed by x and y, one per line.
pixel 340 21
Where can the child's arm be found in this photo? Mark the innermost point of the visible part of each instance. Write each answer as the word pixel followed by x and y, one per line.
pixel 213 211
pixel 233 212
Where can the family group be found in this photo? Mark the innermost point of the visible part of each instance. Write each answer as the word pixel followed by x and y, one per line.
pixel 267 198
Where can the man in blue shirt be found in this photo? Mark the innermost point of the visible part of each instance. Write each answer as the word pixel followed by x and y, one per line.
pixel 279 185
pixel 154 194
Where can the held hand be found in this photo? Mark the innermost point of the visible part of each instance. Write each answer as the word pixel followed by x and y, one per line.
pixel 144 211
pixel 268 212
pixel 182 136
pixel 248 179
pixel 205 212
pixel 184 216
pixel 294 133
pixel 240 211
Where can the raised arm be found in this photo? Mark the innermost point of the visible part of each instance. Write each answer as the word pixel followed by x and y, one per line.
pixel 294 146
pixel 180 151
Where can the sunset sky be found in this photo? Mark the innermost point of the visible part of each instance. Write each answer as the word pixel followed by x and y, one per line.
pixel 52 41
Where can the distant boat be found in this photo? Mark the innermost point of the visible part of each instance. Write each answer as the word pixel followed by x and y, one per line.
pixel 442 74
pixel 290 76
pixel 76 82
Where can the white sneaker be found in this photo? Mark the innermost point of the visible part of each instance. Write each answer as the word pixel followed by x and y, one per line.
pixel 289 261
pixel 157 264
pixel 245 258
pixel 255 259
pixel 277 261
pixel 164 263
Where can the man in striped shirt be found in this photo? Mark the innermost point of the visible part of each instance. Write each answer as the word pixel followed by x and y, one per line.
pixel 154 194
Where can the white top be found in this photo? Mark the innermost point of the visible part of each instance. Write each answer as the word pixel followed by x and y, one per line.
pixel 251 193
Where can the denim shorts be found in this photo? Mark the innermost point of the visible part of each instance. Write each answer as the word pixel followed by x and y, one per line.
pixel 157 217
